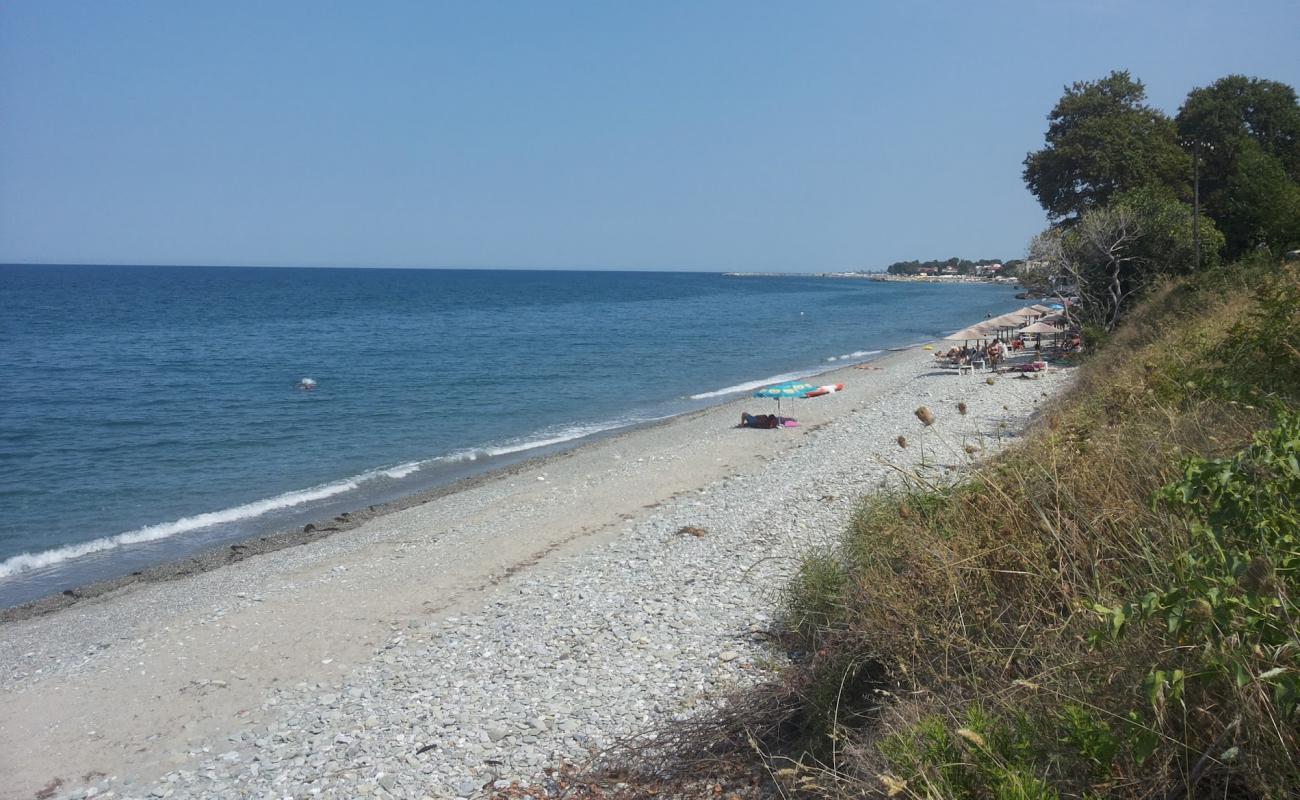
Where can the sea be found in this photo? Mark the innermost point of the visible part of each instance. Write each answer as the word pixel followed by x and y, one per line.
pixel 148 413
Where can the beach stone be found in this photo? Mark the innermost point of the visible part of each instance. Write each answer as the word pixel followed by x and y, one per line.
pixel 608 641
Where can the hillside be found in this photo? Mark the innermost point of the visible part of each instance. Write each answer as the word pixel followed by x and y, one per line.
pixel 1107 609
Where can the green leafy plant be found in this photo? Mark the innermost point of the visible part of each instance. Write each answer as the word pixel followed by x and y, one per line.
pixel 1242 567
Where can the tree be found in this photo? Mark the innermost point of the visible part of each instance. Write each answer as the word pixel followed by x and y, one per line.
pixel 1259 204
pixel 1115 252
pixel 1168 242
pixel 1245 133
pixel 1095 262
pixel 1223 116
pixel 1103 139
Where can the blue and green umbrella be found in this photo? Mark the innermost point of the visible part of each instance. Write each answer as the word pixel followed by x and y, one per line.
pixel 779 391
pixel 787 389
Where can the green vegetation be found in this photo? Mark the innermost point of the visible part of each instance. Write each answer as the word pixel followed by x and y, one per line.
pixel 1113 254
pixel 1247 134
pixel 1111 607
pixel 1103 139
pixel 1108 609
pixel 1136 196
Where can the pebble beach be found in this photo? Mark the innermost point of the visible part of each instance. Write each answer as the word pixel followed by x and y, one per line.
pixel 476 638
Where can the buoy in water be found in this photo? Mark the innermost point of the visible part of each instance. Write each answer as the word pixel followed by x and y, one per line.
pixel 307 384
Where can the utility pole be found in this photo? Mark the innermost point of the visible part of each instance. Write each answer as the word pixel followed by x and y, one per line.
pixel 1196 202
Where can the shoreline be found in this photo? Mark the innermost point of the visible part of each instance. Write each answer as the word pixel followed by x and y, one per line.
pixel 534 616
pixel 262 544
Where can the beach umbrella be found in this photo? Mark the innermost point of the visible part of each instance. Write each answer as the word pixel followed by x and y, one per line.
pixel 1028 312
pixel 1041 309
pixel 1041 328
pixel 1005 322
pixel 973 333
pixel 1058 319
pixel 789 389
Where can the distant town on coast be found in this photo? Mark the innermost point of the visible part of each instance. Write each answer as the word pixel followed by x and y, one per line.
pixel 379 421
pixel 954 270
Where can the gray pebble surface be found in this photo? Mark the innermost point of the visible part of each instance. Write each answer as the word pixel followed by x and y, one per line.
pixel 567 657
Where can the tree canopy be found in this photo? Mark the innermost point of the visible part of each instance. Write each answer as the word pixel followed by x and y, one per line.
pixel 1115 251
pixel 1224 115
pixel 1258 203
pixel 1246 134
pixel 1103 139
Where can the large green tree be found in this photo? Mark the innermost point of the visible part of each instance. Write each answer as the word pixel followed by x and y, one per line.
pixel 1259 204
pixel 1245 133
pixel 1115 252
pixel 1103 139
pixel 1167 245
pixel 1224 115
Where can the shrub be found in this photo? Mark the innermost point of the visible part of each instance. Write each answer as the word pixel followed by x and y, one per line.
pixel 1158 498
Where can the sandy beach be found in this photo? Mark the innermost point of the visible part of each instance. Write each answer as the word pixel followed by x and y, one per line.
pixel 484 633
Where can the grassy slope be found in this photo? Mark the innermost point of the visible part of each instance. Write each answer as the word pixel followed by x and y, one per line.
pixel 1047 628
pixel 1060 625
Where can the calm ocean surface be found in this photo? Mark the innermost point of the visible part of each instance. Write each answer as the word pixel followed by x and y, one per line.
pixel 148 412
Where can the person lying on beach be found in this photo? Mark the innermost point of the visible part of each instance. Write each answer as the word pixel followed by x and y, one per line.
pixel 748 420
pixel 1035 366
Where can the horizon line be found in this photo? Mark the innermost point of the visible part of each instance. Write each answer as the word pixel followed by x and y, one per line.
pixel 544 268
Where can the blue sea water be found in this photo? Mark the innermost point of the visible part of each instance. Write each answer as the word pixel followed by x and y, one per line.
pixel 149 412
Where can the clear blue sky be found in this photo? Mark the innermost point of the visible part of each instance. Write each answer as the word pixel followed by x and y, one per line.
pixel 683 135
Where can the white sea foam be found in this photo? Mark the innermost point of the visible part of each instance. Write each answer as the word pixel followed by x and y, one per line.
pixel 751 385
pixel 402 470
pixel 24 562
pixel 853 355
pixel 152 533
pixel 558 437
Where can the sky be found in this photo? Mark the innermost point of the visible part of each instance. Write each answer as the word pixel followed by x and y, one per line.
pixel 653 135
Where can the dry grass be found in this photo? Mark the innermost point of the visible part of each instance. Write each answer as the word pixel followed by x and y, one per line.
pixel 971 607
pixel 951 647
